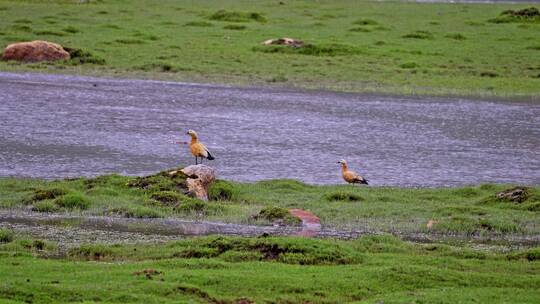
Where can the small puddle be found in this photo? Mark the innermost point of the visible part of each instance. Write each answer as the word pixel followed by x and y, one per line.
pixel 311 224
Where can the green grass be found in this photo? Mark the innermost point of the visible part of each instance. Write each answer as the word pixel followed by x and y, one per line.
pixel 266 270
pixel 465 210
pixel 352 45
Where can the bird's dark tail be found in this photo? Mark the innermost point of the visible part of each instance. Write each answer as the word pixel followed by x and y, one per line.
pixel 210 157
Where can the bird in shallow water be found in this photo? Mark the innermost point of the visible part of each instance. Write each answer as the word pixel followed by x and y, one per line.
pixel 197 148
pixel 349 176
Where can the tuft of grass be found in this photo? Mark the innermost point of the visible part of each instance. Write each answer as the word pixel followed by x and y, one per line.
pixel 198 207
pixel 526 15
pixel 135 212
pixel 71 29
pixel 23 21
pixel 274 213
pixel 343 196
pixel 199 24
pixel 456 36
pixel 6 236
pixel 169 198
pixel 21 28
pixel 489 74
pixel 161 67
pixel 45 206
pixel 93 252
pixel 45 194
pixel 360 29
pixel 79 56
pixel 235 16
pixel 49 33
pixel 534 47
pixel 222 190
pixel 129 41
pixel 419 35
pixel 312 50
pixel 408 65
pixel 73 201
pixel 365 22
pixel 235 27
pixel 283 250
pixel 532 254
pixel 278 78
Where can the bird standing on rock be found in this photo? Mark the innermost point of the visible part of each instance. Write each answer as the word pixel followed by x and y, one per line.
pixel 349 176
pixel 197 148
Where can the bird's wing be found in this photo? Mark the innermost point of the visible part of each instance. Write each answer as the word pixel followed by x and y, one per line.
pixel 356 177
pixel 201 150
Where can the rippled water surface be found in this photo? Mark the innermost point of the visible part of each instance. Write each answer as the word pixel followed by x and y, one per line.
pixel 62 126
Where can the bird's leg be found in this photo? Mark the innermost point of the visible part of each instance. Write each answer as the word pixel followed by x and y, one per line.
pixel 196 160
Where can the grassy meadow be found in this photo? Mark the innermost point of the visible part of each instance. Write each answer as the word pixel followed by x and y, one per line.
pixel 378 269
pixel 359 46
pixel 465 210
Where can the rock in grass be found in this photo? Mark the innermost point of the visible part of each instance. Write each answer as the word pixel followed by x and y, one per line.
pixel 516 194
pixel 35 51
pixel 284 41
pixel 200 177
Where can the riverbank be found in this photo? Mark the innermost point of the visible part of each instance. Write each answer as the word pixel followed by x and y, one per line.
pixel 474 210
pixel 136 240
pixel 431 49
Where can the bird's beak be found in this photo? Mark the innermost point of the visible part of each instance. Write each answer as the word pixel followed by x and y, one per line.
pixel 187 133
pixel 338 163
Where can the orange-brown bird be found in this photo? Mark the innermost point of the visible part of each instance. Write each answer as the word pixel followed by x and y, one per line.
pixel 349 176
pixel 197 148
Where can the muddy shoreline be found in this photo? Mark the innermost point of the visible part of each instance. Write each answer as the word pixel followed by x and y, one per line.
pixel 69 230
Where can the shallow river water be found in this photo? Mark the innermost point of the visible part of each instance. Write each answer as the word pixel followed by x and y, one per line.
pixel 55 126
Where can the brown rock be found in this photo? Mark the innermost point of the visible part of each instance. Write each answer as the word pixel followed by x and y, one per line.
pixel 200 177
pixel 35 51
